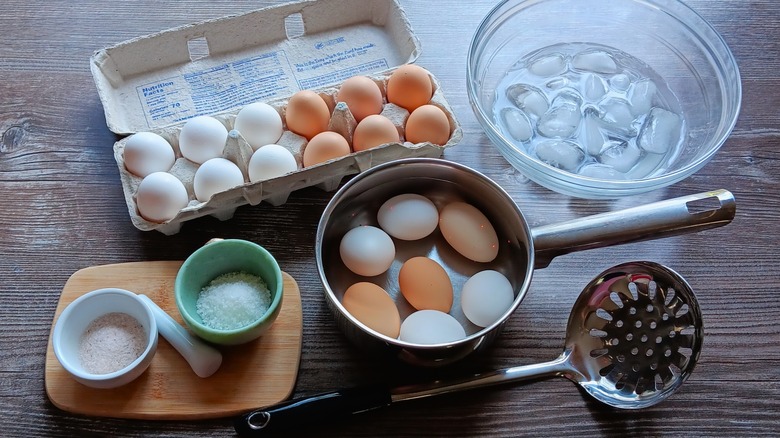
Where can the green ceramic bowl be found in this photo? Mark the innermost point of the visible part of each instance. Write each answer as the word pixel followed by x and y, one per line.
pixel 221 257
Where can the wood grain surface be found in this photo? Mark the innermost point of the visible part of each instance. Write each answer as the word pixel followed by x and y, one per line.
pixel 62 209
pixel 261 372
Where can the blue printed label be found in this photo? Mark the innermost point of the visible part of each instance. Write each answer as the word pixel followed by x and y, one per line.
pixel 216 89
pixel 264 77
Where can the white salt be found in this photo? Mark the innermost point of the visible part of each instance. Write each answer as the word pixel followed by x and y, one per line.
pixel 233 300
pixel 111 342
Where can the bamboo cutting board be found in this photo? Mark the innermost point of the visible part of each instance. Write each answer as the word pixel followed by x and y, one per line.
pixel 259 373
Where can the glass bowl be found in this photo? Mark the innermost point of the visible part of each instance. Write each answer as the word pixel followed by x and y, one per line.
pixel 675 72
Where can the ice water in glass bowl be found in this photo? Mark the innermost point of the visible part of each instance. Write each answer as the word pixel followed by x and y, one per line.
pixel 592 110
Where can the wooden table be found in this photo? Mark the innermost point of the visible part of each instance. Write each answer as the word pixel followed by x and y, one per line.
pixel 62 210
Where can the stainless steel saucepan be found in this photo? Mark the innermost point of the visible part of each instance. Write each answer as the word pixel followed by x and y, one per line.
pixel 522 249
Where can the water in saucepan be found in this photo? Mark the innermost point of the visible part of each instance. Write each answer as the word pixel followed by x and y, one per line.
pixel 592 110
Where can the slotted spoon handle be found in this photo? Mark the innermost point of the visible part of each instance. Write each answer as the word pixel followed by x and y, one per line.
pixel 671 217
pixel 307 412
pixel 317 410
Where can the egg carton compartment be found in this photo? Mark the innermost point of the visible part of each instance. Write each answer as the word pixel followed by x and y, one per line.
pixel 275 191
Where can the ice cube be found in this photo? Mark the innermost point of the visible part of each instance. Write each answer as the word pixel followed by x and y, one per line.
pixel 528 98
pixel 517 124
pixel 601 171
pixel 648 165
pixel 640 96
pixel 567 96
pixel 593 87
pixel 547 66
pixel 562 154
pixel 619 82
pixel 594 138
pixel 595 61
pixel 557 83
pixel 563 117
pixel 660 132
pixel 620 154
pixel 616 113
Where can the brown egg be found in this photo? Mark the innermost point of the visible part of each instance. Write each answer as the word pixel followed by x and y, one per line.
pixel 323 147
pixel 362 96
pixel 468 231
pixel 307 114
pixel 373 131
pixel 371 305
pixel 428 123
pixel 409 87
pixel 425 284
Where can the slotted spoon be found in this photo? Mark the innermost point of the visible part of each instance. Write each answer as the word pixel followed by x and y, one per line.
pixel 634 336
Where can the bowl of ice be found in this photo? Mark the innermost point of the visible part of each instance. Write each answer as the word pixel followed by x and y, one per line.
pixel 603 98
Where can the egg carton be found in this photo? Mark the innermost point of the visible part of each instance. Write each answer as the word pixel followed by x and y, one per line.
pixel 152 83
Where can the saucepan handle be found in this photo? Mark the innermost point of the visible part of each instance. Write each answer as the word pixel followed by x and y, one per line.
pixel 671 217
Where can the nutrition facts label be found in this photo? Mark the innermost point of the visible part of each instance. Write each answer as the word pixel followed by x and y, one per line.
pixel 216 89
pixel 263 77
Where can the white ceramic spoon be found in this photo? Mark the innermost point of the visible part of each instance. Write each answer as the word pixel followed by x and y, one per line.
pixel 204 359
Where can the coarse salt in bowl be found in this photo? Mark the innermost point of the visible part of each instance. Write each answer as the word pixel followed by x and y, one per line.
pixel 603 99
pixel 78 316
pixel 212 273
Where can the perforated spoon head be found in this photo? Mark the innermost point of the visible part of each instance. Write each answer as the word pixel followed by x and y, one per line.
pixel 634 334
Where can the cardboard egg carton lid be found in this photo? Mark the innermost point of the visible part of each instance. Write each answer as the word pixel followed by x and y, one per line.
pixel 157 82
pixel 223 64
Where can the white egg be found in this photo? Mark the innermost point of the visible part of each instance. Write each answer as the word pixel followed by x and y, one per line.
pixel 485 297
pixel 147 152
pixel 260 124
pixel 160 196
pixel 214 176
pixel 431 327
pixel 367 250
pixel 202 138
pixel 271 161
pixel 408 217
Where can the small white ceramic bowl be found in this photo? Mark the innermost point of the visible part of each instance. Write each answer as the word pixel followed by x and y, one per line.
pixel 73 321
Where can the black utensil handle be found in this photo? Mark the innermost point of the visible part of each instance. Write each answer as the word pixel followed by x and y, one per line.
pixel 310 411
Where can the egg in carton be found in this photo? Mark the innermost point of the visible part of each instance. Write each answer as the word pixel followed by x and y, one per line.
pixel 225 184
